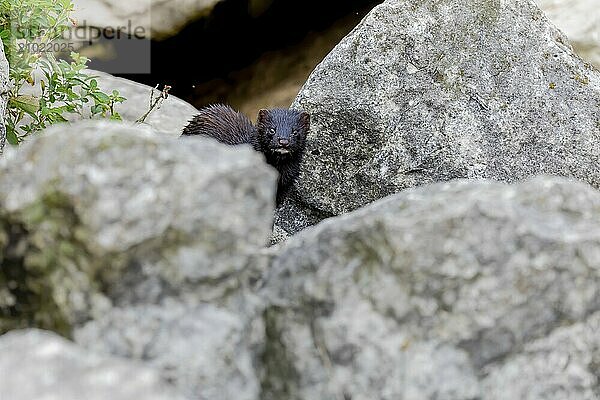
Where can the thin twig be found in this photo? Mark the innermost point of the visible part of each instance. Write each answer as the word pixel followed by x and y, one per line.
pixel 155 104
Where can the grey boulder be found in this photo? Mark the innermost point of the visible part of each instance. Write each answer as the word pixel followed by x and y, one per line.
pixel 421 92
pixel 435 292
pixel 41 365
pixel 158 19
pixel 206 351
pixel 100 214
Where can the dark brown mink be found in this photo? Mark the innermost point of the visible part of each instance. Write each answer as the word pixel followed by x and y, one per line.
pixel 280 134
pixel 223 123
pixel 282 139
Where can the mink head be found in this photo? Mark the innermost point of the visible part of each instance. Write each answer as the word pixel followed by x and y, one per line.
pixel 282 132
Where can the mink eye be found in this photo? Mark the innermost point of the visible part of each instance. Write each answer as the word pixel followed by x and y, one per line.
pixel 272 130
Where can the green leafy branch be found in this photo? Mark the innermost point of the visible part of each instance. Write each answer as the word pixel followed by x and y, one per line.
pixel 46 90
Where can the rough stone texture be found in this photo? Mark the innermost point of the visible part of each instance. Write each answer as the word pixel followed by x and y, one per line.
pixel 4 88
pixel 160 18
pixel 279 235
pixel 580 21
pixel 428 91
pixel 414 296
pixel 41 365
pixel 561 366
pixel 170 118
pixel 206 351
pixel 101 213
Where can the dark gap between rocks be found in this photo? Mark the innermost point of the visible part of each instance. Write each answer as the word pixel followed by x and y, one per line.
pixel 250 61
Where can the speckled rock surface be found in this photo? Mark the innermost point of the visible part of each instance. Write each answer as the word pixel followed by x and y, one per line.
pixel 41 365
pixel 99 214
pixel 580 21
pixel 206 351
pixel 563 365
pixel 428 91
pixel 422 294
pixel 3 94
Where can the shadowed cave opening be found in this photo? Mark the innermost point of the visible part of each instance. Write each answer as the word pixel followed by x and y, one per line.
pixel 249 53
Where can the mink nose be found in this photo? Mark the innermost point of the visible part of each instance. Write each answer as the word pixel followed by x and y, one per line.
pixel 284 142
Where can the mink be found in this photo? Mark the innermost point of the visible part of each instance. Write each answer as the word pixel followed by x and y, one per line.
pixel 280 134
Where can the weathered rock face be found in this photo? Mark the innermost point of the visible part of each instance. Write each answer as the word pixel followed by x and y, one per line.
pixel 580 21
pixel 4 87
pixel 170 118
pixel 563 365
pixel 206 351
pixel 41 365
pixel 140 245
pixel 446 291
pixel 99 214
pixel 159 18
pixel 428 91
pixel 433 293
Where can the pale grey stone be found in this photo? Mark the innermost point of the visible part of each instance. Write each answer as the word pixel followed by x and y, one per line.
pixel 562 366
pixel 206 351
pixel 102 213
pixel 481 268
pixel 580 21
pixel 160 19
pixel 41 365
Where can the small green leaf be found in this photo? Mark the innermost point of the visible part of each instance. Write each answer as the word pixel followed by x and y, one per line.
pixel 29 104
pixel 57 118
pixel 97 109
pixel 101 97
pixel 11 136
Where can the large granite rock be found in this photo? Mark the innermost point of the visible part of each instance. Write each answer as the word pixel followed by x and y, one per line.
pixel 580 21
pixel 441 292
pixel 159 18
pixel 428 91
pixel 4 88
pixel 96 214
pixel 142 246
pixel 41 365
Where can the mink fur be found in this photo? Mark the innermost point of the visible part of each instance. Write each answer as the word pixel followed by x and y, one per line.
pixel 223 123
pixel 280 134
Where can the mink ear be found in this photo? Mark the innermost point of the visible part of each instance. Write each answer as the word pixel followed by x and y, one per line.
pixel 262 114
pixel 305 118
